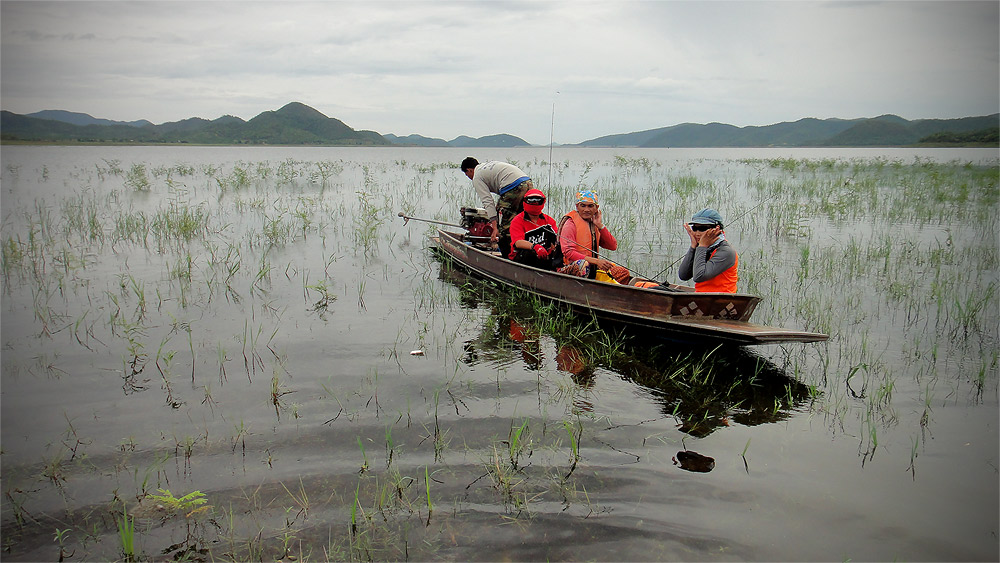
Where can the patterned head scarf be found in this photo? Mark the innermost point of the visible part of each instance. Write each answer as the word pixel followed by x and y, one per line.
pixel 589 196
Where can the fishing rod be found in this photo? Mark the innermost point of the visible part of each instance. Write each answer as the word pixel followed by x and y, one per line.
pixel 559 237
pixel 552 134
pixel 731 223
pixel 407 218
pixel 747 212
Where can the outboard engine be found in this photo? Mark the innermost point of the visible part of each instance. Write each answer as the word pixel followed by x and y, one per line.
pixel 474 220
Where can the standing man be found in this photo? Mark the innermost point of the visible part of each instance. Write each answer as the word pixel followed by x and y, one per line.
pixel 505 180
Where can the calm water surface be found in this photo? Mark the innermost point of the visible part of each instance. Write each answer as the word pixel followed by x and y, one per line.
pixel 258 326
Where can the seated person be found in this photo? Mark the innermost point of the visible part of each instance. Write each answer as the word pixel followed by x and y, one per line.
pixel 711 261
pixel 533 233
pixel 581 234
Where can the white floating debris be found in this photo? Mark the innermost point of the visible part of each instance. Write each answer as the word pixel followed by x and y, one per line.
pixel 417 353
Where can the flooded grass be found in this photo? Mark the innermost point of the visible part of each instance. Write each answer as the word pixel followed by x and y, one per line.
pixel 208 356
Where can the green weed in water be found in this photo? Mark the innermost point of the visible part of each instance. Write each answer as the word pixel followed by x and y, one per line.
pixel 126 535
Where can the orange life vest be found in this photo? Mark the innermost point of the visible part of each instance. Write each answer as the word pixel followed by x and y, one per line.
pixel 588 238
pixel 725 282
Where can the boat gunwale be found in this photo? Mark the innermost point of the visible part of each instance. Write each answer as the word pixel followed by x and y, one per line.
pixel 702 326
pixel 683 289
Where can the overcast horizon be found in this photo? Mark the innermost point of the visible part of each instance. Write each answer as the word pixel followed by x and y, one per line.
pixel 561 71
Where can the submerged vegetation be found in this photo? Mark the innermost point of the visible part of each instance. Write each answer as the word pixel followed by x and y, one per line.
pixel 266 335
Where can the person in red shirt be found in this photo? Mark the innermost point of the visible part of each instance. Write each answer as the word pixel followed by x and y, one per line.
pixel 533 233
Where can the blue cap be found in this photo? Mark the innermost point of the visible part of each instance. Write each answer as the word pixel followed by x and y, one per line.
pixel 706 217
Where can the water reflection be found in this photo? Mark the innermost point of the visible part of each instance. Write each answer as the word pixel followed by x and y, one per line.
pixel 694 461
pixel 703 388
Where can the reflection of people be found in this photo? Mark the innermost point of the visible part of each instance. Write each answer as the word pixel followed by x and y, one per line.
pixel 581 235
pixel 528 337
pixel 711 261
pixel 694 461
pixel 505 180
pixel 571 360
pixel 533 233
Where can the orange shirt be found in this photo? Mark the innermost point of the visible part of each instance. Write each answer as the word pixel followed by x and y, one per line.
pixel 582 239
pixel 724 282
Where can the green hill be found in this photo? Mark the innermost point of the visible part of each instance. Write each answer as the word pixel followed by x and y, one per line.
pixel 299 124
pixel 293 124
pixel 982 137
pixel 894 130
pixel 415 141
pixel 502 140
pixel 76 118
pixel 804 132
pixel 886 130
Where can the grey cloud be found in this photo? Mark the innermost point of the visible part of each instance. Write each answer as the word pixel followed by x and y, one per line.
pixel 453 65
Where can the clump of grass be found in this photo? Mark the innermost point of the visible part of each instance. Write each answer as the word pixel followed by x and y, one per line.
pixel 574 445
pixel 60 538
pixel 137 179
pixel 427 484
pixel 278 390
pixel 179 222
pixel 12 257
pixel 126 535
pixel 189 504
pixel 516 444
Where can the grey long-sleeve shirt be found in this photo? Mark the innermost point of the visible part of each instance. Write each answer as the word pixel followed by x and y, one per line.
pixel 489 178
pixel 696 263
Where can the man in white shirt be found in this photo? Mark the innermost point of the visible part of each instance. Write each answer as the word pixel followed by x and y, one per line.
pixel 505 180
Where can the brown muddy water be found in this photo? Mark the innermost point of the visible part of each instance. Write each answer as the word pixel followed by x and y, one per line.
pixel 243 354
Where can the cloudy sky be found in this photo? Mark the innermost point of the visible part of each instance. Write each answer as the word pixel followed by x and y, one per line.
pixel 444 69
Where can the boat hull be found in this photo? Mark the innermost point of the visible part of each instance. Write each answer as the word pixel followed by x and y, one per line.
pixel 682 314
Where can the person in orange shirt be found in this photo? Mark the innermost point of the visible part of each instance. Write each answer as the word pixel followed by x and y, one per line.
pixel 711 261
pixel 581 236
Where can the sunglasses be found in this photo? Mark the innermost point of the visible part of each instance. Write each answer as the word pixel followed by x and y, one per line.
pixel 699 227
pixel 534 200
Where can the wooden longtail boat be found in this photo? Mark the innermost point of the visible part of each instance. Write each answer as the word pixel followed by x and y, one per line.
pixel 680 314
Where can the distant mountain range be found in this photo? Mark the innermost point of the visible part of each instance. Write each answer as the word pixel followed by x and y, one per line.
pixel 885 130
pixel 83 118
pixel 293 124
pixel 299 124
pixel 502 140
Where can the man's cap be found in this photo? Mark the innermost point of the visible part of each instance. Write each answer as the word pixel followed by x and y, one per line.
pixel 534 192
pixel 706 216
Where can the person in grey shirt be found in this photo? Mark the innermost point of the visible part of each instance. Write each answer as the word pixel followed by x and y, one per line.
pixel 505 180
pixel 711 261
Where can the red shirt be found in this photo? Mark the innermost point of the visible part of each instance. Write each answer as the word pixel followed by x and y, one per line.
pixel 520 224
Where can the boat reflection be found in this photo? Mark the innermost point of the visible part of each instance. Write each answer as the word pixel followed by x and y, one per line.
pixel 704 389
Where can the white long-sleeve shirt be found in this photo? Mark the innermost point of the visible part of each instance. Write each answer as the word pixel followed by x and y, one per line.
pixel 491 177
